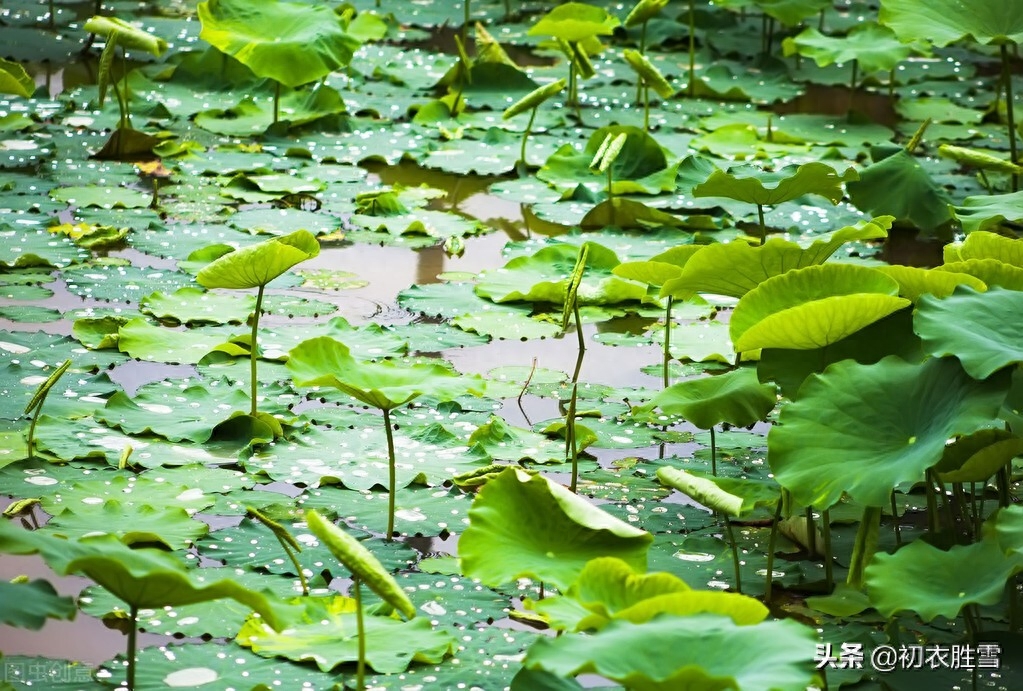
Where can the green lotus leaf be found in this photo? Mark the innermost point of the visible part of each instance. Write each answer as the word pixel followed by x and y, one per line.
pixel 641 167
pixel 173 413
pixel 650 272
pixel 27 605
pixel 386 385
pixel 128 35
pixel 924 579
pixel 748 184
pixel 991 272
pixel 628 214
pixel 643 11
pixel 575 21
pixel 788 12
pixel 139 577
pixel 989 211
pixel 688 652
pixel 915 282
pixel 872 46
pixel 513 324
pixel 504 442
pixel 737 398
pixel 523 525
pixel 972 327
pixel 864 429
pixel 899 185
pixel 812 307
pixel 985 245
pixel 140 339
pixel 169 526
pixel 1008 529
pixel 327 636
pixel 291 43
pixel 15 80
pixel 101 196
pixel 256 265
pixel 731 496
pixel 190 305
pixel 737 267
pixel 543 277
pixel 361 562
pixel 946 21
pixel 978 456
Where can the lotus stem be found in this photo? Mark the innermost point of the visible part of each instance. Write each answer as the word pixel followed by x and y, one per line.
pixel 286 541
pixel 391 475
pixel 771 543
pixel 691 86
pixel 811 532
pixel 1007 79
pixel 820 22
pixel 35 405
pixel 646 108
pixel 735 553
pixel 360 626
pixel 277 101
pixel 53 14
pixel 254 349
pixel 1004 485
pixel 855 74
pixel 578 326
pixel 465 25
pixel 713 453
pixel 829 573
pixel 133 633
pixel 525 135
pixel 895 518
pixel 571 449
pixel 932 507
pixel 667 343
pixel 763 224
pixel 891 83
pixel 864 546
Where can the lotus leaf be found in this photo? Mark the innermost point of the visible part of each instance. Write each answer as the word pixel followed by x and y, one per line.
pixel 575 21
pixel 978 456
pixel 989 211
pixel 327 637
pixel 991 272
pixel 915 283
pixel 733 497
pixel 139 577
pixel 735 268
pixel 175 413
pixel 523 525
pixel 934 583
pixel 748 185
pixel 872 46
pixel 788 12
pixel 169 526
pixel 291 43
pixel 946 21
pixel 256 265
pixel 15 80
pixel 812 307
pixel 140 339
pixel 737 398
pixel 864 429
pixel 899 185
pixel 641 167
pixel 694 651
pixel 972 327
pixel 28 605
pixel 543 277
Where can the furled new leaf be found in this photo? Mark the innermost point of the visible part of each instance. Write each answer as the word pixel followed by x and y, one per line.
pixel 731 496
pixel 128 35
pixel 534 98
pixel 650 75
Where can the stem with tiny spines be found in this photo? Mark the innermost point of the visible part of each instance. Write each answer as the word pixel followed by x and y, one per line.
pixel 254 349
pixel 360 626
pixel 525 135
pixel 391 475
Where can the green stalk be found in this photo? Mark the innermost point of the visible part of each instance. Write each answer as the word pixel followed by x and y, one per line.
pixel 763 224
pixel 133 633
pixel 1004 484
pixel 286 540
pixel 53 13
pixel 254 349
pixel 35 405
pixel 855 74
pixel 1007 79
pixel 772 541
pixel 646 107
pixel 571 447
pixel 360 626
pixel 277 101
pixel 829 574
pixel 691 86
pixel 864 546
pixel 465 24
pixel 895 517
pixel 932 507
pixel 391 475
pixel 811 533
pixel 713 453
pixel 525 135
pixel 735 553
pixel 667 342
pixel 642 50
